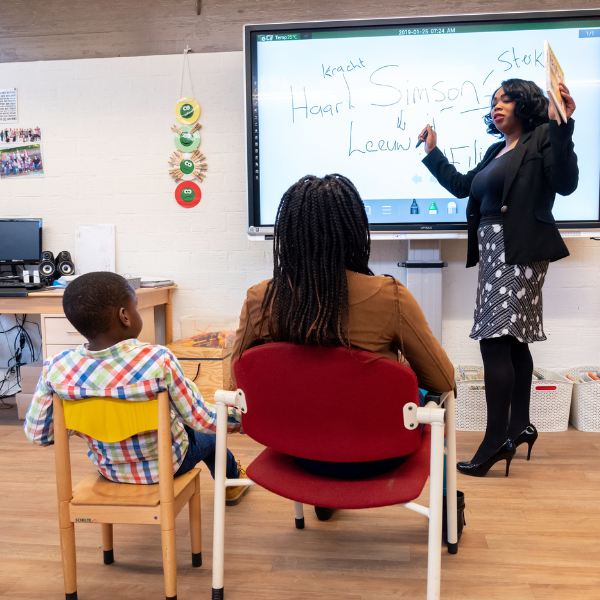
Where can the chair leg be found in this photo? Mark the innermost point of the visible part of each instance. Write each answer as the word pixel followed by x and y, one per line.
pixel 169 549
pixel 451 495
pixel 69 561
pixel 299 514
pixel 107 543
pixel 195 508
pixel 219 513
pixel 436 490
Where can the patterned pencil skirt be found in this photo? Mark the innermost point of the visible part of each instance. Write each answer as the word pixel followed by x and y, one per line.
pixel 509 297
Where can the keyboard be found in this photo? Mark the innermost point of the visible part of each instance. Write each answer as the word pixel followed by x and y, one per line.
pixel 19 284
pixel 13 291
pixel 11 283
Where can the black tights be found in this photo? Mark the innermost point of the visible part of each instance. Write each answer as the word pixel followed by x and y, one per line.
pixel 508 368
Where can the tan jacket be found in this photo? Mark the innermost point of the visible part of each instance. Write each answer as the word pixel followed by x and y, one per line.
pixel 374 326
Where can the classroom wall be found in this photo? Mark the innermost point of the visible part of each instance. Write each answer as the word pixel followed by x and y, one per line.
pixel 106 141
pixel 106 128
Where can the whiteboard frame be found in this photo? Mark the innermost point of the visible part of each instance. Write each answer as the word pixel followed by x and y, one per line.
pixel 258 232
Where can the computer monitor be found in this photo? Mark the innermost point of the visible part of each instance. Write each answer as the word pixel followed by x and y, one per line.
pixel 352 97
pixel 20 241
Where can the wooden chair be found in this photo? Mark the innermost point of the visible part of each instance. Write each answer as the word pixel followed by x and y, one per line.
pixel 97 500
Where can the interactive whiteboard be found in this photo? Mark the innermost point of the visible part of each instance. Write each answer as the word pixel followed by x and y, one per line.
pixel 352 97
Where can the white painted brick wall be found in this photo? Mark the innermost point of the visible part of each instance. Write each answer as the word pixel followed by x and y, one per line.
pixel 106 126
pixel 107 138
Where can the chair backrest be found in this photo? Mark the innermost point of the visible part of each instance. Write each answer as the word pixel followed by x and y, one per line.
pixel 111 419
pixel 102 416
pixel 327 404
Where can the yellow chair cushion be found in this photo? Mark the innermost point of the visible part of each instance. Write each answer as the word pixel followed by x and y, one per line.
pixel 110 419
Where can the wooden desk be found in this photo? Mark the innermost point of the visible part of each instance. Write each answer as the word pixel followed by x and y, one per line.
pixel 58 334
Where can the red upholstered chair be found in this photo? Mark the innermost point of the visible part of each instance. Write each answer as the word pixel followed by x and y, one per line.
pixel 330 404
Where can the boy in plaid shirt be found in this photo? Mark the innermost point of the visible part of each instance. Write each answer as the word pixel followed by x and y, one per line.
pixel 103 308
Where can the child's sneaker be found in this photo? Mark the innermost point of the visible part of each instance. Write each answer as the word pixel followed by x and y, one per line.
pixel 234 495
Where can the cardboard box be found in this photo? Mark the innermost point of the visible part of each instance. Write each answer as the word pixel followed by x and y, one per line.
pixel 208 368
pixel 30 375
pixel 32 369
pixel 23 402
pixel 28 385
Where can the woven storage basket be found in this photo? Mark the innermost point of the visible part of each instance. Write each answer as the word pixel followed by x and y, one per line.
pixel 550 402
pixel 136 282
pixel 585 407
pixel 471 411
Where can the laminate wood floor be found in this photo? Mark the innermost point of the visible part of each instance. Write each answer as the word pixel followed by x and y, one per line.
pixel 531 536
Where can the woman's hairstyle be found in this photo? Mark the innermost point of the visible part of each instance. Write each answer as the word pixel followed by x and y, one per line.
pixel 531 106
pixel 321 229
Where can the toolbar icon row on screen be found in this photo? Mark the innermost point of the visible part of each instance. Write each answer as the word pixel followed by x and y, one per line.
pixel 386 209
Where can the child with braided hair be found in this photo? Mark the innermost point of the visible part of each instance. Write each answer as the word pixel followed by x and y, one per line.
pixel 323 293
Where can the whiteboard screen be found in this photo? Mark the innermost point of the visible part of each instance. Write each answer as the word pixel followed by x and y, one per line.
pixel 352 100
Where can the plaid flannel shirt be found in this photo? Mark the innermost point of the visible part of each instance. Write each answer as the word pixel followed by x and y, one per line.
pixel 129 370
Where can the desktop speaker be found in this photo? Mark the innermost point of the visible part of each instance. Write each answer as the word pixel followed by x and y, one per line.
pixel 47 268
pixel 64 264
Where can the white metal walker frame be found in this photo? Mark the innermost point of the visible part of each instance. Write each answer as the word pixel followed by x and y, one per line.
pixel 432 414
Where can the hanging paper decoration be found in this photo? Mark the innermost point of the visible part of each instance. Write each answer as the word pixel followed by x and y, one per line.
pixel 191 165
pixel 185 128
pixel 187 161
pixel 187 111
pixel 188 194
pixel 187 138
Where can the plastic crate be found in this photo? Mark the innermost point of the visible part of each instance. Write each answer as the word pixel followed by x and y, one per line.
pixel 585 407
pixel 550 402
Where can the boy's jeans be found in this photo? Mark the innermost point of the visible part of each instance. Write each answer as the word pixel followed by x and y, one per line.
pixel 202 448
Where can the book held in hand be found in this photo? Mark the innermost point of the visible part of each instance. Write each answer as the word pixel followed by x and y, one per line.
pixel 554 76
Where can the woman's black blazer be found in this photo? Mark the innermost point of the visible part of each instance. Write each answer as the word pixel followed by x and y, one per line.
pixel 541 165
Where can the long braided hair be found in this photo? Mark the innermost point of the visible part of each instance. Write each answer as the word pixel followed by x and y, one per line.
pixel 321 229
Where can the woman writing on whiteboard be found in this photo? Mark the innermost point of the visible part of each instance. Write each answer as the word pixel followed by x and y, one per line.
pixel 513 237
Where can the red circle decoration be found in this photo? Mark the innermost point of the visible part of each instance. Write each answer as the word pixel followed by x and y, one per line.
pixel 180 195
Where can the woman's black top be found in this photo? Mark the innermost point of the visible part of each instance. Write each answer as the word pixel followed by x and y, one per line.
pixel 487 188
pixel 541 165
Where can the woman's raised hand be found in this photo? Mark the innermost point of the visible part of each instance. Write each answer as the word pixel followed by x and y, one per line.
pixel 567 99
pixel 431 141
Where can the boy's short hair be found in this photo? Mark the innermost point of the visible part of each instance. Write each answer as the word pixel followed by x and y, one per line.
pixel 90 301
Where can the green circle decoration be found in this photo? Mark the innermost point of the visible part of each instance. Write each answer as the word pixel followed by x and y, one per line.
pixel 186 110
pixel 187 166
pixel 187 141
pixel 188 194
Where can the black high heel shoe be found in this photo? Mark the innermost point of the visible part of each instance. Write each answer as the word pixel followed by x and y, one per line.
pixel 528 436
pixel 505 452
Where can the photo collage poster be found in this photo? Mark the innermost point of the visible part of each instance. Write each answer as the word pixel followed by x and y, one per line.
pixel 21 151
